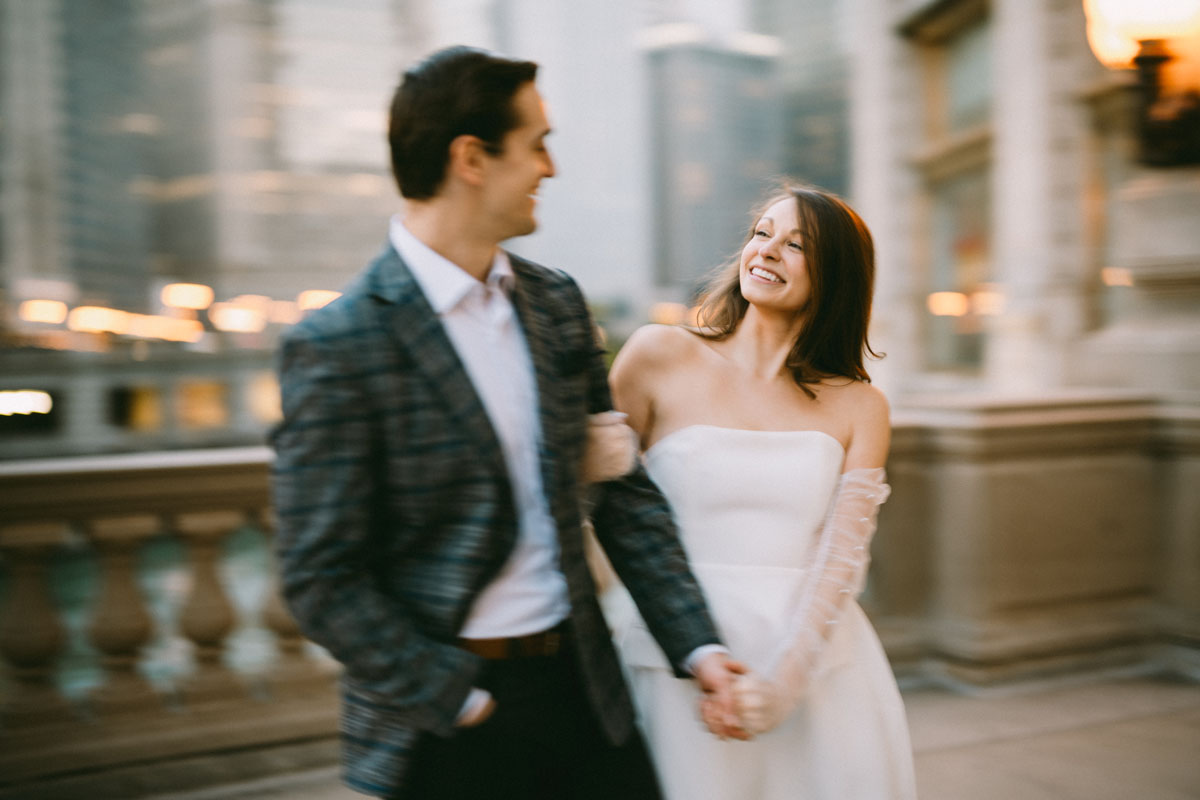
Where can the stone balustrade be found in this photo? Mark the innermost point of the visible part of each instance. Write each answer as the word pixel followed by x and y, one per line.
pixel 107 513
pixel 1023 538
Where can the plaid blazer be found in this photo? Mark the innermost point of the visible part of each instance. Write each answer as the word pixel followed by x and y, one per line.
pixel 394 508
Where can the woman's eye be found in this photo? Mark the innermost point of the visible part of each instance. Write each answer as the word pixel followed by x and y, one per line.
pixel 795 246
pixel 761 233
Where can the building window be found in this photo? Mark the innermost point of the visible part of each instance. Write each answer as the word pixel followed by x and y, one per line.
pixel 959 275
pixel 955 163
pixel 136 408
pixel 202 405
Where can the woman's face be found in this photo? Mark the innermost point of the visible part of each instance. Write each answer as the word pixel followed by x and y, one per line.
pixel 774 271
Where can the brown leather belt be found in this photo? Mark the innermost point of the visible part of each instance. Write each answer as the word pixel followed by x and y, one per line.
pixel 533 645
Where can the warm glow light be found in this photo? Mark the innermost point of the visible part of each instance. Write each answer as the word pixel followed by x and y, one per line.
pixel 184 330
pixel 187 295
pixel 235 318
pixel 51 311
pixel 284 312
pixel 1114 27
pixel 1116 276
pixel 668 313
pixel 98 319
pixel 987 302
pixel 315 298
pixel 263 398
pixel 25 402
pixel 364 184
pixel 259 302
pixel 947 304
pixel 152 326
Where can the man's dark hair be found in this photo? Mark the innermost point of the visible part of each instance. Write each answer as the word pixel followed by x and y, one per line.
pixel 454 92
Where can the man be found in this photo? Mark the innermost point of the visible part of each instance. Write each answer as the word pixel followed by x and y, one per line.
pixel 427 482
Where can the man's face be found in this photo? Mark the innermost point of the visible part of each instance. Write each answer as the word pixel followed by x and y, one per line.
pixel 513 176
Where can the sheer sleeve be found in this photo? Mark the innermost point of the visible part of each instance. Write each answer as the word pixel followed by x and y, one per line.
pixel 835 572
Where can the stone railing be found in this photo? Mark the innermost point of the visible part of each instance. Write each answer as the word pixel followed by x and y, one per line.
pixel 104 516
pixel 1023 538
pixel 1028 537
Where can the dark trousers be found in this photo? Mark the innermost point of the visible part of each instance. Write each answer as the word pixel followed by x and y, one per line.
pixel 543 741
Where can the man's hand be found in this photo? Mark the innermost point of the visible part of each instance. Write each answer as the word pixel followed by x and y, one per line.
pixel 716 673
pixel 479 706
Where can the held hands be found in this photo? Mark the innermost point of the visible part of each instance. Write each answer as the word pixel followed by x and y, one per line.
pixel 761 705
pixel 716 674
pixel 611 449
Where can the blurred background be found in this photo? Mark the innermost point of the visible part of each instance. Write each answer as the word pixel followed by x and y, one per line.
pixel 180 180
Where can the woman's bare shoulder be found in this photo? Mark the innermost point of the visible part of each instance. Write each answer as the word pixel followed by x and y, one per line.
pixel 656 346
pixel 864 410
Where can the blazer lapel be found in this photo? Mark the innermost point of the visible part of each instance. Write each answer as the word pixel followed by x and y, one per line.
pixel 533 305
pixel 420 333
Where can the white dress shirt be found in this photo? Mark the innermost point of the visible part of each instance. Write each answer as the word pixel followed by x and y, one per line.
pixel 530 592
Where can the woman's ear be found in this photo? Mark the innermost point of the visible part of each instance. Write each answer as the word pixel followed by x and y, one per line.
pixel 467 159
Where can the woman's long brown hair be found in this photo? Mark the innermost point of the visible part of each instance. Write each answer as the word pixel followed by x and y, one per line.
pixel 840 256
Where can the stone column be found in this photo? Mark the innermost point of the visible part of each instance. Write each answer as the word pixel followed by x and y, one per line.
pixel 31 632
pixel 121 625
pixel 208 614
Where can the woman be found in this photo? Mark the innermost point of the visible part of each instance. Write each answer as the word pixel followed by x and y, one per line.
pixel 762 430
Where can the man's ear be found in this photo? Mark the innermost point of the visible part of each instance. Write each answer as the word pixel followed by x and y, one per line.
pixel 467 159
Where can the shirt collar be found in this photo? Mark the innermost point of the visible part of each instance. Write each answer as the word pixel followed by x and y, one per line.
pixel 444 283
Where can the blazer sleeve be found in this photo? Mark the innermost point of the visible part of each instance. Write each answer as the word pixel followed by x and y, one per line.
pixel 326 482
pixel 634 525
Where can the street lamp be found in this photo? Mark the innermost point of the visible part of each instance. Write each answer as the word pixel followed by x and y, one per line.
pixel 1161 40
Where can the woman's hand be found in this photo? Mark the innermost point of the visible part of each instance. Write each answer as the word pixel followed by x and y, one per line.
pixel 761 705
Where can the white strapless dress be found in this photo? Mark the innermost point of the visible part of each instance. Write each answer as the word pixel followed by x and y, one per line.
pixel 748 505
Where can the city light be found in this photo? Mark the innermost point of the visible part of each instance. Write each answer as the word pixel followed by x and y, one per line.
pixel 195 296
pixel 98 319
pixel 987 302
pixel 1116 26
pixel 184 330
pixel 25 402
pixel 284 312
pixel 948 304
pixel 1116 276
pixel 235 318
pixel 53 312
pixel 315 298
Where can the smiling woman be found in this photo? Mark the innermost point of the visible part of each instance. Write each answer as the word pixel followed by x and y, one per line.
pixel 810 256
pixel 761 430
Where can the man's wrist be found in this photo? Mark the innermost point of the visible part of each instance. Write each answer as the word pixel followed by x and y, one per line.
pixel 696 656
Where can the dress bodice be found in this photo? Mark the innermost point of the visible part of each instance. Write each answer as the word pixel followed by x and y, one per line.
pixel 746 497
pixel 748 505
pixel 751 507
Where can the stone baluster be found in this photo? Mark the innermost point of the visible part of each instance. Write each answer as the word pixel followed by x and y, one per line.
pixel 294 672
pixel 31 634
pixel 208 615
pixel 121 625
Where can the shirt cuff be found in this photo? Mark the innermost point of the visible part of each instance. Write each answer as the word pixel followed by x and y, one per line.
pixel 476 699
pixel 697 655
